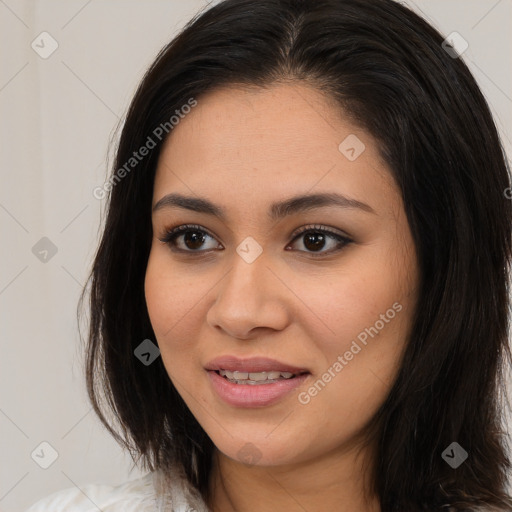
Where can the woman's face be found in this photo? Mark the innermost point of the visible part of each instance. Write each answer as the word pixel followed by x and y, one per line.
pixel 247 284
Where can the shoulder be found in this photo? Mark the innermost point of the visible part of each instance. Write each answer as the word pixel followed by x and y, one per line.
pixel 135 495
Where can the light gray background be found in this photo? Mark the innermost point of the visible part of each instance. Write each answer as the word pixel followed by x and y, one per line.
pixel 56 118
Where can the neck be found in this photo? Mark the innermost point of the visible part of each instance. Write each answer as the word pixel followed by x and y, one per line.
pixel 332 482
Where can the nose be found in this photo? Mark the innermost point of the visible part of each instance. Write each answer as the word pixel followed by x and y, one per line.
pixel 250 299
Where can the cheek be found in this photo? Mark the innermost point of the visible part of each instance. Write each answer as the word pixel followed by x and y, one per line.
pixel 346 302
pixel 365 311
pixel 173 296
pixel 172 312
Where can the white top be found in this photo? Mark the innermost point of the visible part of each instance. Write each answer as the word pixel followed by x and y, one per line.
pixel 150 493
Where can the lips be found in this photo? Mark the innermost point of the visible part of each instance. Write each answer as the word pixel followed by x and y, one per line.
pixel 245 395
pixel 252 365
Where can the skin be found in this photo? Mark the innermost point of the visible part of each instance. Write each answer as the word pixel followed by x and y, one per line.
pixel 244 148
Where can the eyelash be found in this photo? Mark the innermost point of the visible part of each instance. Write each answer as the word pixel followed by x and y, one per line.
pixel 171 234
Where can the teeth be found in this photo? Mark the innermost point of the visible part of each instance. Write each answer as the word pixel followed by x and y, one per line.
pixel 254 377
pixel 258 376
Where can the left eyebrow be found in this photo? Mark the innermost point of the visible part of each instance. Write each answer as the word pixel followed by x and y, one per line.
pixel 277 210
pixel 304 203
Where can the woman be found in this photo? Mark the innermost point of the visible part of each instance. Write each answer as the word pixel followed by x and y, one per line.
pixel 300 300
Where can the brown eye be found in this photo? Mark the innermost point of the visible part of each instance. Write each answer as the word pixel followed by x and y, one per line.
pixel 193 239
pixel 187 238
pixel 315 239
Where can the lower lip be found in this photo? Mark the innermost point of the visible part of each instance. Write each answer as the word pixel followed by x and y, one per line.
pixel 254 395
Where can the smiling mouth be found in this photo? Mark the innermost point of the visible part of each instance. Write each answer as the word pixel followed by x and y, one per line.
pixel 256 378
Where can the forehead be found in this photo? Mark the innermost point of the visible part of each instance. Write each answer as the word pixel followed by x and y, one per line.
pixel 260 143
pixel 287 121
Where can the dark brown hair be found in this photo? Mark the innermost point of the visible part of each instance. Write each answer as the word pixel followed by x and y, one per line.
pixel 387 68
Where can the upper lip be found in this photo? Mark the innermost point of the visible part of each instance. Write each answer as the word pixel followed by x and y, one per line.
pixel 253 364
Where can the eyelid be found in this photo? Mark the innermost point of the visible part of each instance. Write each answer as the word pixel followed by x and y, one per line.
pixel 319 227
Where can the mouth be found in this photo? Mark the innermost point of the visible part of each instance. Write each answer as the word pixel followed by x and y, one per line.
pixel 254 382
pixel 253 370
pixel 257 378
